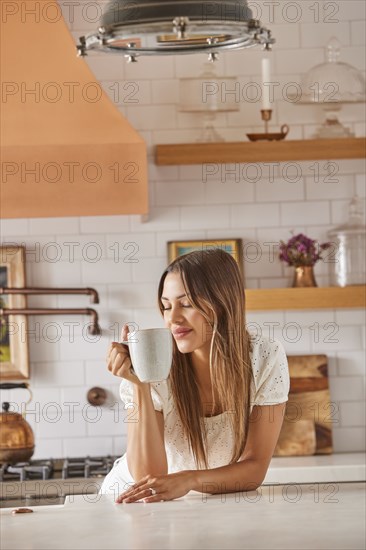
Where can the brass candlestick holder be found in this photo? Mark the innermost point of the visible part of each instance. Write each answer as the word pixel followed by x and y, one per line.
pixel 266 116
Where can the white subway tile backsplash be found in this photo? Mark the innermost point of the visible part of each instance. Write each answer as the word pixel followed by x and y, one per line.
pixel 351 363
pixel 355 56
pixel 57 373
pixel 104 224
pixel 304 60
pixel 148 270
pixel 275 234
pixel 347 388
pixel 97 373
pixel 353 414
pixel 340 338
pixel 279 190
pixel 350 316
pixel 165 91
pixel 299 213
pixel 144 117
pixel 177 193
pixel 357 33
pixel 341 187
pixel 107 68
pixel 89 248
pixel 204 217
pixel 163 173
pixel 52 272
pixel 295 340
pixel 118 272
pixel 361 185
pixel 317 318
pixel 259 265
pixel 128 92
pixel 74 398
pixel 13 228
pixel 48 448
pixel 352 10
pixel 148 318
pixel 238 191
pixel 348 438
pixel 133 295
pixel 119 445
pixel 339 211
pixel 159 219
pixel 319 34
pixel 149 68
pixel 108 423
pixel 63 424
pixel 88 446
pixel 274 282
pixel 268 321
pixel 82 348
pixel 129 248
pixel 56 226
pixel 255 215
pixel 42 348
pixel 287 36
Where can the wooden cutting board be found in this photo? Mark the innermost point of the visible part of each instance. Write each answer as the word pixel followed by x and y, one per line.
pixel 307 425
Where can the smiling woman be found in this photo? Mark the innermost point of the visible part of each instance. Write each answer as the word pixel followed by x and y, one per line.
pixel 213 425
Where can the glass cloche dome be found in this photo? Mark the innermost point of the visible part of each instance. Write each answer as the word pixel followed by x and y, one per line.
pixel 331 84
pixel 349 265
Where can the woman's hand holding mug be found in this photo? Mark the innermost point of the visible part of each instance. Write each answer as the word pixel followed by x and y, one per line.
pixel 149 351
pixel 119 361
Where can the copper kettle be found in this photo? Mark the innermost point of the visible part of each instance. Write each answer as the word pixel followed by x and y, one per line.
pixel 16 435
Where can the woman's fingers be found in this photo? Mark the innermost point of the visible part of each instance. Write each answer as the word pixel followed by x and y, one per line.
pixel 124 332
pixel 118 359
pixel 140 490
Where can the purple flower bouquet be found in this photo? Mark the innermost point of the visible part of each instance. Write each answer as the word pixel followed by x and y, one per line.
pixel 301 251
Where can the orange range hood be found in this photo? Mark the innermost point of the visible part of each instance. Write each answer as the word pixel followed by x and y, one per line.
pixel 65 148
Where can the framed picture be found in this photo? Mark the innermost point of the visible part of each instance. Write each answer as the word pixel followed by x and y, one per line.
pixel 233 246
pixel 14 356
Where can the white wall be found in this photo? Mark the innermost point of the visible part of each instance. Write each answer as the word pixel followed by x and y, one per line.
pixel 184 206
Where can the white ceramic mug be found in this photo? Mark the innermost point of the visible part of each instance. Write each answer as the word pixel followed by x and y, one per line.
pixel 151 352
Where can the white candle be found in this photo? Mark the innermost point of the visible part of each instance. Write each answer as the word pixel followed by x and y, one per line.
pixel 266 78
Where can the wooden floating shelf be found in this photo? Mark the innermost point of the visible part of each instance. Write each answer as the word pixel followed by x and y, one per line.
pixel 306 298
pixel 260 151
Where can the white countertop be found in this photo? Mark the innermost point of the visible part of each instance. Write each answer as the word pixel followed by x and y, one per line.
pixel 282 517
pixel 338 467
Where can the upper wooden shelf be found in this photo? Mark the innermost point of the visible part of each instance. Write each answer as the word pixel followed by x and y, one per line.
pixel 306 298
pixel 260 151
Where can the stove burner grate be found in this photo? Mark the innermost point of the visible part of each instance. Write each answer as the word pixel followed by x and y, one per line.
pixel 25 470
pixel 84 467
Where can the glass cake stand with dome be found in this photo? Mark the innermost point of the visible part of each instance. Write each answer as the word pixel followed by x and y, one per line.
pixel 330 85
pixel 208 95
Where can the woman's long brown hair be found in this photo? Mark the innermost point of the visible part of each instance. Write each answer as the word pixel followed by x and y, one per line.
pixel 214 286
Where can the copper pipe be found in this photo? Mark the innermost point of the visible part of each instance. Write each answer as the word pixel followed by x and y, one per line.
pixel 34 290
pixel 93 329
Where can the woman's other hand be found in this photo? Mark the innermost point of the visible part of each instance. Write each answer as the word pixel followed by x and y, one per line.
pixel 158 488
pixel 119 361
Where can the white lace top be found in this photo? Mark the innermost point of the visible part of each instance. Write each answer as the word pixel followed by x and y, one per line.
pixel 270 386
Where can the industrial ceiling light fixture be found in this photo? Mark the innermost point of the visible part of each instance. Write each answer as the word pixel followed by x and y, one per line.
pixel 162 27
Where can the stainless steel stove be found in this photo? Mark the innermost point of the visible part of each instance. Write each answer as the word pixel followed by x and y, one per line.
pixel 45 482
